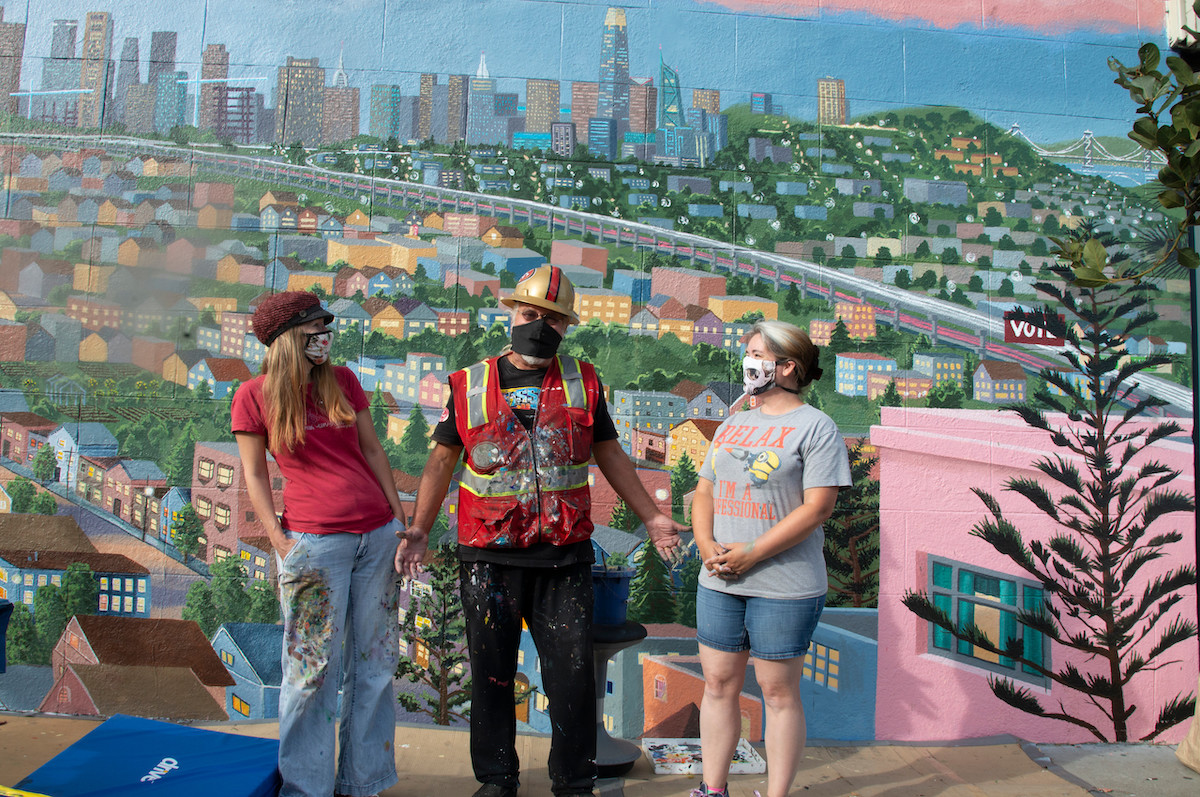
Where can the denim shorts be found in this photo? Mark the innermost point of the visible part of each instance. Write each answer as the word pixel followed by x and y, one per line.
pixel 770 628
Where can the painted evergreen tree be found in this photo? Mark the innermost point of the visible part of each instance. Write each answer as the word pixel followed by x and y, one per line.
pixel 1099 602
pixel 379 414
pixel 685 599
pixel 21 640
pixel 80 590
pixel 839 339
pixel 178 465
pixel 683 481
pixel 891 396
pixel 852 538
pixel 652 592
pixel 50 616
pixel 623 518
pixel 187 532
pixel 44 464
pixel 434 626
pixel 414 443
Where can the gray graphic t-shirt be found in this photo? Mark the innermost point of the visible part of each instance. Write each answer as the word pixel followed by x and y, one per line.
pixel 760 466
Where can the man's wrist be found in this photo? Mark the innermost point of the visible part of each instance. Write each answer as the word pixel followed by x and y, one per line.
pixel 412 533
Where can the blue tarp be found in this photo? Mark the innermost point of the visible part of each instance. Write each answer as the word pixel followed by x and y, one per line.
pixel 127 756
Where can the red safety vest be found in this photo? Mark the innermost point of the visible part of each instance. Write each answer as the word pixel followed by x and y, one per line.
pixel 522 487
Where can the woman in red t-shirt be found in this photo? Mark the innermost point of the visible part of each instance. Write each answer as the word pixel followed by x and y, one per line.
pixel 335 542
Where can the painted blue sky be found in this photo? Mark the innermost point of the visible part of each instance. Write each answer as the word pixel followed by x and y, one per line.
pixel 1054 84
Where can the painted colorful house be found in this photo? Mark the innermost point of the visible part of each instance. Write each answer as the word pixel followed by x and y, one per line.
pixel 932 684
pixel 853 369
pixel 250 652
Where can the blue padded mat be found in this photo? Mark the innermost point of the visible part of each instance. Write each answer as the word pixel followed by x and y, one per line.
pixel 130 756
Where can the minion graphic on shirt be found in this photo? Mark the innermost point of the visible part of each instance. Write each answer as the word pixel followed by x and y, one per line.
pixel 762 466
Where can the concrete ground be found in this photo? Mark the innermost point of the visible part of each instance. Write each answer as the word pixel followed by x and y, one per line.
pixel 434 762
pixel 1120 770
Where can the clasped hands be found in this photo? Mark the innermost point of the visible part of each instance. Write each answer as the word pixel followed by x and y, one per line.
pixel 730 562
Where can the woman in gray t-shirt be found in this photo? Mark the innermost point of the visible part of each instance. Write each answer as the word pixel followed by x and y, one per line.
pixel 771 477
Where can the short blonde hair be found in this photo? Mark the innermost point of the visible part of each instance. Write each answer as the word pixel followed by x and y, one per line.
pixel 790 342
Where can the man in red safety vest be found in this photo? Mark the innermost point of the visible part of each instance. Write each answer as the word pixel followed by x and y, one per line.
pixel 526 423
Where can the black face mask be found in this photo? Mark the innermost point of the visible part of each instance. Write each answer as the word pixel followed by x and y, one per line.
pixel 535 339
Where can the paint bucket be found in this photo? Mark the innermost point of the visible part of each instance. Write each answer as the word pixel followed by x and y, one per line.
pixel 610 589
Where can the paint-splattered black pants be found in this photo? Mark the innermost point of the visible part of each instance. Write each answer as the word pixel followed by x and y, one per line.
pixel 556 604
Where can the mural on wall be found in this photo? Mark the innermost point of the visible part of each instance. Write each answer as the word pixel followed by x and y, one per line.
pixel 887 175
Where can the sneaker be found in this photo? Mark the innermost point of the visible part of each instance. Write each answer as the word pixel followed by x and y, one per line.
pixel 495 790
pixel 704 791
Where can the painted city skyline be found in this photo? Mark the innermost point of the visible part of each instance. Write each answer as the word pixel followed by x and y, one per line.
pixel 1026 75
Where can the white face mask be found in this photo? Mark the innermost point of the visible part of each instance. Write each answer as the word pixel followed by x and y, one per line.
pixel 319 344
pixel 758 376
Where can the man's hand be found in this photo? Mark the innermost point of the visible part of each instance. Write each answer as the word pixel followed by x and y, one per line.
pixel 664 533
pixel 410 553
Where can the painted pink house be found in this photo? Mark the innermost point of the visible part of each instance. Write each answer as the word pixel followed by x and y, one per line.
pixel 688 285
pixel 930 687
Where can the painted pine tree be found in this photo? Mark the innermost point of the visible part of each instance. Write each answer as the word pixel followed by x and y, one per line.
pixel 852 538
pixel 1109 519
pixel 437 635
pixel 652 591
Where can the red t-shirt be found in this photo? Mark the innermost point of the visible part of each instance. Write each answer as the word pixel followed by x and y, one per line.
pixel 329 486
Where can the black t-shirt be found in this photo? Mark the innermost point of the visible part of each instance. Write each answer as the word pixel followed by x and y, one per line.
pixel 522 390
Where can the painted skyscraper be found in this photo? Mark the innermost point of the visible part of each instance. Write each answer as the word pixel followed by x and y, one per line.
pixel 483 126
pixel 456 107
pixel 299 101
pixel 831 101
pixel 60 72
pixel 613 98
pixel 670 97
pixel 643 105
pixel 12 48
pixel 162 54
pixel 96 76
pixel 541 105
pixel 170 101
pixel 214 69
pixel 425 118
pixel 584 96
pixel 707 99
pixel 129 73
pixel 339 117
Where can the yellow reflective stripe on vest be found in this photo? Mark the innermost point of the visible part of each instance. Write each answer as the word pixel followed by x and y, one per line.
pixel 572 378
pixel 503 483
pixel 477 379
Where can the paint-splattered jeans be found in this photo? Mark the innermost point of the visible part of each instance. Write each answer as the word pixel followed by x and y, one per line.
pixel 556 603
pixel 340 630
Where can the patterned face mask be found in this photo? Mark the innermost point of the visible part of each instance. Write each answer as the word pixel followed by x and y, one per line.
pixel 318 346
pixel 758 376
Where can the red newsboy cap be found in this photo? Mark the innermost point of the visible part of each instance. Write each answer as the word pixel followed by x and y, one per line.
pixel 280 312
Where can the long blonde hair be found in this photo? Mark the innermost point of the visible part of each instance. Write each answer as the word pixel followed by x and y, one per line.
pixel 285 388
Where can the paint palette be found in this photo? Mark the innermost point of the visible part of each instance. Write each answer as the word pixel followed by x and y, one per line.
pixel 682 757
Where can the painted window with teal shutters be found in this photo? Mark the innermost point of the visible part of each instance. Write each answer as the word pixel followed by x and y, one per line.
pixel 993 602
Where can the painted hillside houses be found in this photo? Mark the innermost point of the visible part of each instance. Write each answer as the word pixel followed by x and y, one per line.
pixel 142 228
